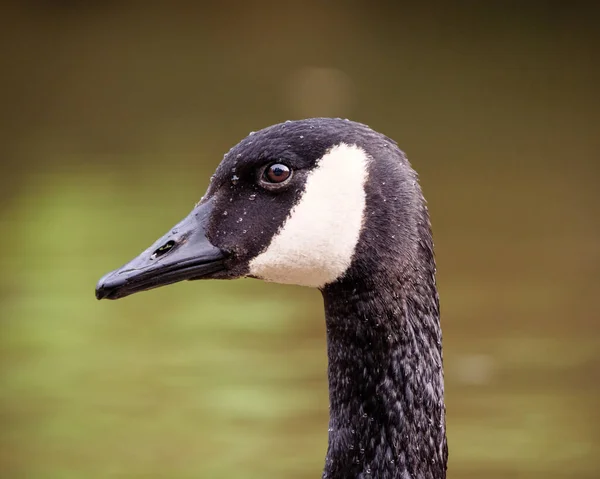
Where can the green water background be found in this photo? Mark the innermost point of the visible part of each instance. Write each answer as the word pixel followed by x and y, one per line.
pixel 114 114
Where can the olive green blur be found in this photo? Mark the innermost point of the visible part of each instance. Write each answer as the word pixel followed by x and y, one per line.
pixel 113 117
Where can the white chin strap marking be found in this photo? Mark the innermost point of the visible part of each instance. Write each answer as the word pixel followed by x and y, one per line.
pixel 316 243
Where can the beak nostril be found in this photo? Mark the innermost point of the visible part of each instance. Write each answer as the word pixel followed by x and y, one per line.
pixel 163 249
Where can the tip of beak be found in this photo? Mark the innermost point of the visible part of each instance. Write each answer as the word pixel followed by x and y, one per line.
pixel 101 291
pixel 107 285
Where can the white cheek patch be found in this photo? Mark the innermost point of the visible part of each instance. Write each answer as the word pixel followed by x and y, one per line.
pixel 316 243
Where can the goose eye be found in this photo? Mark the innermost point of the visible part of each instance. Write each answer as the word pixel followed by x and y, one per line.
pixel 277 173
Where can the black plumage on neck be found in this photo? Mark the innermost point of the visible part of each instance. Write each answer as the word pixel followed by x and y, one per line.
pixel 384 344
pixel 387 415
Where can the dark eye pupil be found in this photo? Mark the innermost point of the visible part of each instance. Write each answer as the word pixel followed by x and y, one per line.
pixel 277 173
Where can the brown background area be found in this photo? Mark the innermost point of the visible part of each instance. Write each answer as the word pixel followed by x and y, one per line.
pixel 114 114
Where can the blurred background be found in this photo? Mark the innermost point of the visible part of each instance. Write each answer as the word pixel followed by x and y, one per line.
pixel 113 116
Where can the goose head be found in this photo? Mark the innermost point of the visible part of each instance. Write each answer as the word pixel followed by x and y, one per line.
pixel 330 204
pixel 289 204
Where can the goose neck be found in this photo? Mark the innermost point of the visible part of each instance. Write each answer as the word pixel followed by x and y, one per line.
pixel 386 389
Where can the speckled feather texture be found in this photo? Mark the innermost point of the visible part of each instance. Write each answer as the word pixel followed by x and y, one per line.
pixel 384 343
pixel 384 339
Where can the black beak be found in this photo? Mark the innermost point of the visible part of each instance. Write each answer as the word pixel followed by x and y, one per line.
pixel 182 254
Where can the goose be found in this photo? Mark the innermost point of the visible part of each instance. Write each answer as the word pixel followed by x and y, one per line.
pixel 331 204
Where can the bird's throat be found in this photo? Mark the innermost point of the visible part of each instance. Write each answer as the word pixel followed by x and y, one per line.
pixel 386 390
